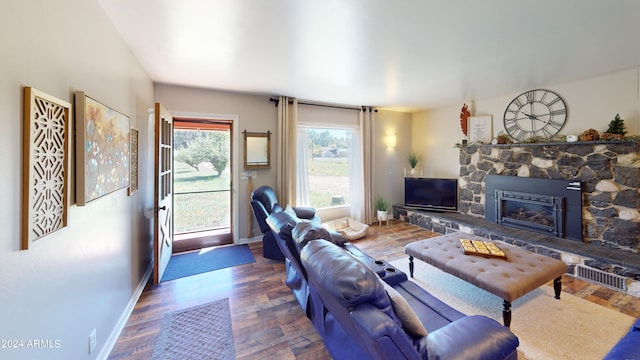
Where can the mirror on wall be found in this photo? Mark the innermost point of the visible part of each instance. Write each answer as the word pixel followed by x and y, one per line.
pixel 257 150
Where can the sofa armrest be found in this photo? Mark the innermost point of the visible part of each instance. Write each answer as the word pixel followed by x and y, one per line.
pixel 386 338
pixel 628 347
pixel 306 213
pixel 472 337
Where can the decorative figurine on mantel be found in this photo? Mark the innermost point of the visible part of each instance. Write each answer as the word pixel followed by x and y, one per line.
pixel 502 138
pixel 464 121
pixel 616 129
pixel 590 134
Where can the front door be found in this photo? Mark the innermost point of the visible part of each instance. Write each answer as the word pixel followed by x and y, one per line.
pixel 163 199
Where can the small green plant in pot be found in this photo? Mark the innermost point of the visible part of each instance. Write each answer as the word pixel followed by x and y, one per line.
pixel 382 206
pixel 413 158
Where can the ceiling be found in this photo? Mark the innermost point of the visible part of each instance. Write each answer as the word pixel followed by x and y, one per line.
pixel 403 55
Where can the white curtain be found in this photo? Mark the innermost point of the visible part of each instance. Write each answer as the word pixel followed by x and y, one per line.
pixel 302 178
pixel 356 176
pixel 286 165
pixel 366 130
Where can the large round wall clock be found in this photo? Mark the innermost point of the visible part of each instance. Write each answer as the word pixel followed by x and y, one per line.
pixel 536 113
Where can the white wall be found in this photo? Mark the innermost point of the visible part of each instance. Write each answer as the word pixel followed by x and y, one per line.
pixel 254 113
pixel 591 103
pixel 389 163
pixel 81 277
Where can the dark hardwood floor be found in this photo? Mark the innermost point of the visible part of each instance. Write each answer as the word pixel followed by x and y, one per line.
pixel 267 320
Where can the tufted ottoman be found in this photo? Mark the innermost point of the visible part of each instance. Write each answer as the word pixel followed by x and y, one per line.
pixel 509 279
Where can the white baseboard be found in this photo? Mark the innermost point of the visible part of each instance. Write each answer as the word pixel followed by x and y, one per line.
pixel 250 240
pixel 122 322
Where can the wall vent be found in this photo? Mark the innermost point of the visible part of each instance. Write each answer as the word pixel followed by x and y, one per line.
pixel 601 277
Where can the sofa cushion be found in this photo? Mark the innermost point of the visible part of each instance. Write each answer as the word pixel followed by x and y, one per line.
pixel 304 232
pixel 268 198
pixel 282 223
pixel 343 276
pixel 410 321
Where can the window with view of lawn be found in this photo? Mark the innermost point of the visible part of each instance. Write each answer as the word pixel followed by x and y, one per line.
pixel 329 161
pixel 328 153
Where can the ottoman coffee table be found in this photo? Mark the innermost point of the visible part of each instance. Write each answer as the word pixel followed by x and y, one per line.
pixel 509 279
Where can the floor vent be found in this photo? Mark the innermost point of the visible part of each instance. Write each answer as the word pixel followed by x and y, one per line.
pixel 604 278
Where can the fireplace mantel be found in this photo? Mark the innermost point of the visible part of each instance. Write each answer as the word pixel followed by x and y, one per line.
pixel 551 143
pixel 608 170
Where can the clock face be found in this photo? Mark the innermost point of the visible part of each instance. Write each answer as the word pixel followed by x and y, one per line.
pixel 535 113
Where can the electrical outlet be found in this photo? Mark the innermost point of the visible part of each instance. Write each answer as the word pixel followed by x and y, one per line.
pixel 92 341
pixel 254 174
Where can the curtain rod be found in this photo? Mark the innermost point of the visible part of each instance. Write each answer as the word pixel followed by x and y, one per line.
pixel 277 101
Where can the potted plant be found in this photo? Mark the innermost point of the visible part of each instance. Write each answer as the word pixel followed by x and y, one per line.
pixel 414 158
pixel 382 206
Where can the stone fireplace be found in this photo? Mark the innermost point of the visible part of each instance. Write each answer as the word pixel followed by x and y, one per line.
pixel 608 174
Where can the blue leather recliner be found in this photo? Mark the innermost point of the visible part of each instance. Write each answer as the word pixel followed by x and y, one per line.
pixel 264 202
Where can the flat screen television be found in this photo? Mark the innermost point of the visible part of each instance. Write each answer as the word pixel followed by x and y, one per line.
pixel 431 193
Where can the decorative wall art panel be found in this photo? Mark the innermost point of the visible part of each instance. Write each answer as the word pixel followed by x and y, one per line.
pixel 133 182
pixel 102 149
pixel 45 196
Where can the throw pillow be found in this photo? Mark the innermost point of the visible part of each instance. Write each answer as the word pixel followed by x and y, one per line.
pixel 289 210
pixel 410 321
pixel 305 212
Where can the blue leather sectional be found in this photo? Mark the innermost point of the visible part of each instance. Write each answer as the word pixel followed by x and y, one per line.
pixel 367 309
pixel 628 348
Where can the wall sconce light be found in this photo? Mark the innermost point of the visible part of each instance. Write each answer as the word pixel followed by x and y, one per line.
pixel 390 141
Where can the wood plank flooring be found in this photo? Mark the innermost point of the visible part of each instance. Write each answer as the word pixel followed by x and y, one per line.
pixel 267 320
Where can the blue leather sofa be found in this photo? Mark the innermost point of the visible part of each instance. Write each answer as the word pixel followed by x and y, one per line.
pixel 354 314
pixel 322 270
pixel 628 348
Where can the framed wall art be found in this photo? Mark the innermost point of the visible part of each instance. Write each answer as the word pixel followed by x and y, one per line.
pixel 45 193
pixel 480 129
pixel 133 140
pixel 102 149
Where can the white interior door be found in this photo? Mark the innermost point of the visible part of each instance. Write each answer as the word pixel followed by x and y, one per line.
pixel 163 199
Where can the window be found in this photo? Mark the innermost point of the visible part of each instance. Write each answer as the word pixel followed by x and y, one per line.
pixel 328 153
pixel 329 159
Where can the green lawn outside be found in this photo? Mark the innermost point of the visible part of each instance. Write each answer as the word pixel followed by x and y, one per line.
pixel 328 166
pixel 200 211
pixel 328 178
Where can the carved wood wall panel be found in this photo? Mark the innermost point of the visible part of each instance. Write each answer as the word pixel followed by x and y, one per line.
pixel 133 180
pixel 45 166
